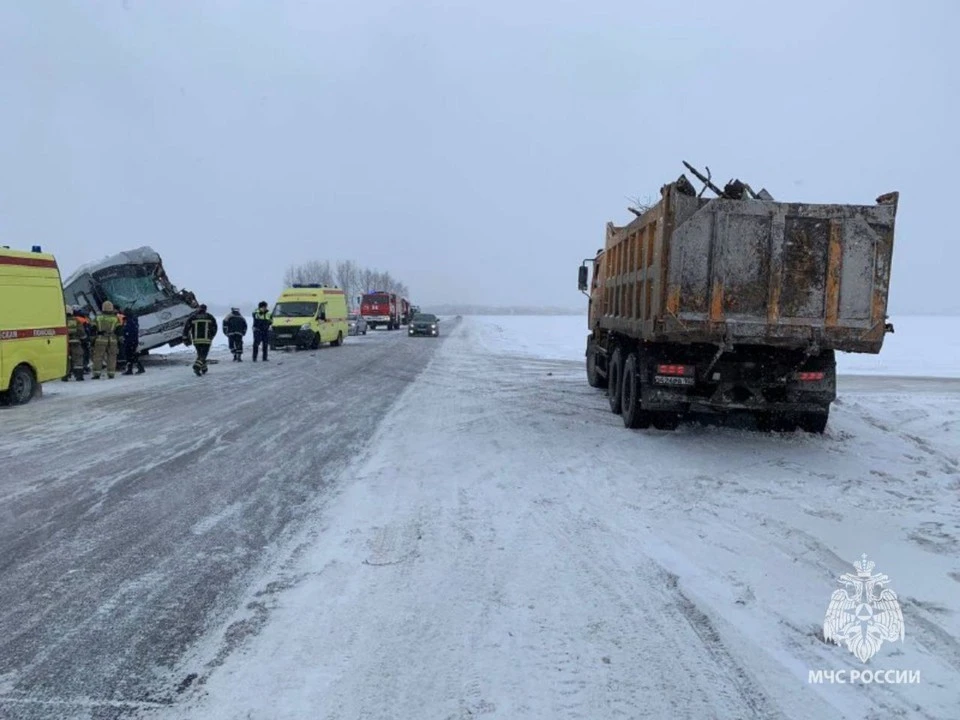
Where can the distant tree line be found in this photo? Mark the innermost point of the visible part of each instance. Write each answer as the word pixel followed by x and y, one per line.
pixel 353 279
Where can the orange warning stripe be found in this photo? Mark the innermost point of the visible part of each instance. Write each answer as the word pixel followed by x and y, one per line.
pixel 27 261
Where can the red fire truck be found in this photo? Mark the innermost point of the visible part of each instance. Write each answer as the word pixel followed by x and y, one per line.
pixel 381 308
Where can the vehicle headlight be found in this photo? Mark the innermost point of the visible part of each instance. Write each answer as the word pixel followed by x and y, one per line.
pixel 305 326
pixel 433 327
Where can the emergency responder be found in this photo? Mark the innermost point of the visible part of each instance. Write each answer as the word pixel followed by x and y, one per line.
pixel 87 336
pixel 75 335
pixel 121 355
pixel 235 327
pixel 131 343
pixel 262 320
pixel 200 331
pixel 107 329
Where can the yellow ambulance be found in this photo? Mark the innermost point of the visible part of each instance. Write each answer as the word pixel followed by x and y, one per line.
pixel 307 315
pixel 33 323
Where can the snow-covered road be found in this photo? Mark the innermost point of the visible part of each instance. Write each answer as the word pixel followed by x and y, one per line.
pixel 505 548
pixel 498 545
pixel 135 511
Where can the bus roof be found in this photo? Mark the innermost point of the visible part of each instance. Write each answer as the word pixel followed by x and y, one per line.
pixel 138 256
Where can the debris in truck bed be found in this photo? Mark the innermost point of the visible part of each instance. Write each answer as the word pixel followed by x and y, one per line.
pixel 735 189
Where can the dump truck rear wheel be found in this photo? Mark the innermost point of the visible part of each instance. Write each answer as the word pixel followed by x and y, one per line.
pixel 593 375
pixel 634 416
pixel 614 381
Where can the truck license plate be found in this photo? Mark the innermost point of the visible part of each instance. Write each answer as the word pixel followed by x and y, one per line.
pixel 672 380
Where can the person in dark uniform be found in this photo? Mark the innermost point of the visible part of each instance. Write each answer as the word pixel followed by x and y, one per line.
pixel 235 327
pixel 86 337
pixel 131 343
pixel 262 320
pixel 200 330
pixel 76 333
pixel 121 354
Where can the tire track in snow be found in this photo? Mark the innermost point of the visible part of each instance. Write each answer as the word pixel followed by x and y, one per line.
pixel 651 613
pixel 949 464
pixel 654 619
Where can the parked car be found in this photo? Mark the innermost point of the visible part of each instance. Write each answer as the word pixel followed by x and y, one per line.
pixel 425 324
pixel 356 325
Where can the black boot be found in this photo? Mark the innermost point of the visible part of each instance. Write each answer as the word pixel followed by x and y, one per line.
pixel 78 374
pixel 129 370
pixel 140 370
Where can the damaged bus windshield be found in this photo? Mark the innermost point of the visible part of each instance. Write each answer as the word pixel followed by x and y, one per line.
pixel 139 292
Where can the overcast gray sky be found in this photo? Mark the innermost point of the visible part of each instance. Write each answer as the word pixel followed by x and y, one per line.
pixel 473 149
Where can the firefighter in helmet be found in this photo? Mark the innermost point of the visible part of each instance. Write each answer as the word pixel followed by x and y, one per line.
pixel 75 336
pixel 200 330
pixel 107 341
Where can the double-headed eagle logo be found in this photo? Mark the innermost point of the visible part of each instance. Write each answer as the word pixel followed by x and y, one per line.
pixel 863 613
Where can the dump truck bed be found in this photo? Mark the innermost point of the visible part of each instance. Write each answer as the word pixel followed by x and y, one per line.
pixel 694 270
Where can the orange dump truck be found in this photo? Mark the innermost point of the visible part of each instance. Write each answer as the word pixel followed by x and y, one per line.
pixel 735 303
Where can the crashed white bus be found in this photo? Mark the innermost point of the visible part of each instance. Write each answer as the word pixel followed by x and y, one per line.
pixel 134 280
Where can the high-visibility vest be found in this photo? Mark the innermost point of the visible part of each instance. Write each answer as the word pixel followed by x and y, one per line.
pixel 107 324
pixel 75 330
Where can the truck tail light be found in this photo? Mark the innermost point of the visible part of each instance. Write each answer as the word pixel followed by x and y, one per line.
pixel 674 369
pixel 810 376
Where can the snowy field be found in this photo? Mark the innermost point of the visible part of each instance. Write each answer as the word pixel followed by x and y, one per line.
pixel 504 548
pixel 919 346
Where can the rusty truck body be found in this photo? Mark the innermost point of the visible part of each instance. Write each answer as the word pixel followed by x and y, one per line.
pixel 735 303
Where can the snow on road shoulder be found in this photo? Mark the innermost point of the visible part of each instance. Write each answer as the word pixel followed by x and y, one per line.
pixel 506 547
pixel 550 337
